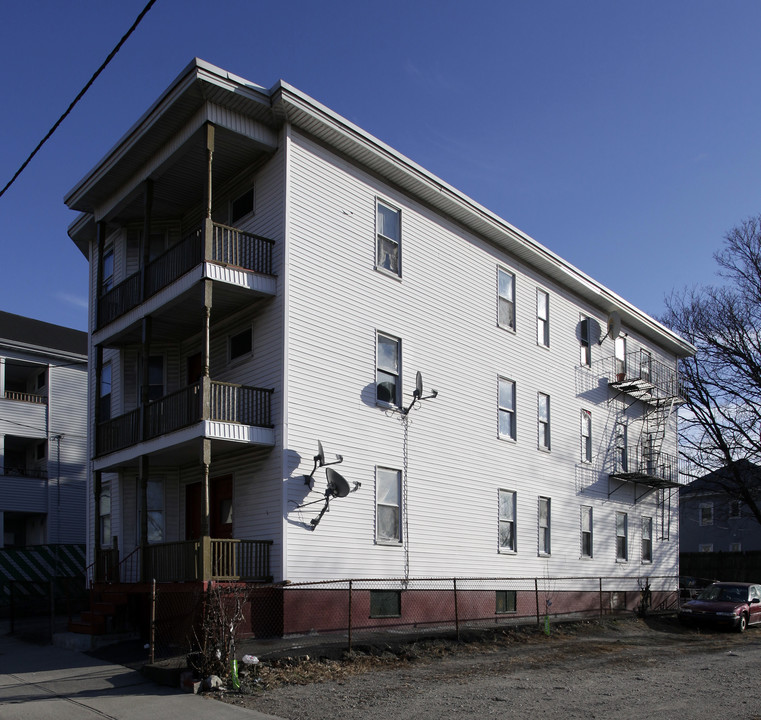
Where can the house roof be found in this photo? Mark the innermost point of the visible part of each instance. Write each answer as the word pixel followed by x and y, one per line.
pixel 23 332
pixel 190 101
pixel 712 482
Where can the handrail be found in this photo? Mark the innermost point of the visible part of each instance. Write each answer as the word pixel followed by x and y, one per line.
pixel 33 398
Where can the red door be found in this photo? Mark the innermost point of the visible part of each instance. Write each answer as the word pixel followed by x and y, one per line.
pixel 220 509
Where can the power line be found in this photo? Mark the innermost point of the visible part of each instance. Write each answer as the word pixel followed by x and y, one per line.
pixel 79 96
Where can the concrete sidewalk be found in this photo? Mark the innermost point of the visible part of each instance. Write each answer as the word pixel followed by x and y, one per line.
pixel 43 682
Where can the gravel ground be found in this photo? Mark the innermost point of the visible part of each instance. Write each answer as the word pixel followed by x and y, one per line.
pixel 613 669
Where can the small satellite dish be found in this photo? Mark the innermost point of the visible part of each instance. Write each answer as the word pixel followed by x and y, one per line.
pixel 418 392
pixel 337 483
pixel 319 461
pixel 614 326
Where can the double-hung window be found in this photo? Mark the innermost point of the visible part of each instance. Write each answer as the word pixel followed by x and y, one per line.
pixel 543 318
pixel 622 537
pixel 619 350
pixel 104 404
pixel 505 299
pixel 544 526
pixel 242 205
pixel 507 521
pixel 586 531
pixel 706 513
pixel 586 436
pixel 241 344
pixel 388 509
pixel 507 409
pixel 585 344
pixel 104 514
pixel 107 268
pixel 647 539
pixel 543 421
pixel 155 502
pixel 389 237
pixel 387 371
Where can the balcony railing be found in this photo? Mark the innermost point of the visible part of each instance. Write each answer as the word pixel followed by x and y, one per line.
pixel 24 471
pixel 26 397
pixel 208 559
pixel 226 245
pixel 643 377
pixel 228 403
pixel 651 467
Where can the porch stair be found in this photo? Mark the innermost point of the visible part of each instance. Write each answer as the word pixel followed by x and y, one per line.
pixel 106 613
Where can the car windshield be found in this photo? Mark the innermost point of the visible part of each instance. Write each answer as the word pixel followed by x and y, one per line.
pixel 725 593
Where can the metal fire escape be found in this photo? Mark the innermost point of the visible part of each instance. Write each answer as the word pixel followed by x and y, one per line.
pixel 646 464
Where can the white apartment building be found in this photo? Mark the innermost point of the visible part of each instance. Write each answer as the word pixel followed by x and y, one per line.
pixel 264 275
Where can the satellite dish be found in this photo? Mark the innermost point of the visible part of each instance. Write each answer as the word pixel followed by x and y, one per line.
pixel 319 461
pixel 417 393
pixel 418 385
pixel 614 325
pixel 338 486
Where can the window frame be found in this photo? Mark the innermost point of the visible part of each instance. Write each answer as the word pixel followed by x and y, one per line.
pixel 508 519
pixel 382 539
pixel 585 342
pixel 508 298
pixel 705 519
pixel 154 510
pixel 104 398
pixel 104 514
pixel 647 539
pixel 622 548
pixel 619 355
pixel 543 424
pixel 544 532
pixel 505 602
pixel 505 411
pixel 586 513
pixel 245 354
pixel 735 510
pixel 108 263
pixel 395 373
pixel 380 238
pixel 379 598
pixel 542 318
pixel 586 436
pixel 235 218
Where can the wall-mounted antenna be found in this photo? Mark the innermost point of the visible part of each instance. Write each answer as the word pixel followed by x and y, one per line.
pixel 319 461
pixel 614 326
pixel 417 393
pixel 338 487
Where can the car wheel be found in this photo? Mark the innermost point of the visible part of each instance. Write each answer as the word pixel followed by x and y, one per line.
pixel 743 623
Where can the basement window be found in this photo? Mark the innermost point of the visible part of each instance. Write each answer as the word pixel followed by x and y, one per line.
pixel 385 603
pixel 506 601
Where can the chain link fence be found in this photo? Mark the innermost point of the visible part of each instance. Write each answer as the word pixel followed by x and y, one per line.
pixel 358 610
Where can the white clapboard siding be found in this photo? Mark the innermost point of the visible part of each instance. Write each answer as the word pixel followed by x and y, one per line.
pixel 444 311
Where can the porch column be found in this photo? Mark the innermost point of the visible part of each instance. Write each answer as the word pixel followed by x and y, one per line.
pixel 97 540
pixel 96 410
pixel 205 500
pixel 143 466
pixel 2 377
pixel 101 240
pixel 147 212
pixel 208 228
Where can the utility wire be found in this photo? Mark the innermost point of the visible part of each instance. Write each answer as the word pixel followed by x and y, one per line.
pixel 79 96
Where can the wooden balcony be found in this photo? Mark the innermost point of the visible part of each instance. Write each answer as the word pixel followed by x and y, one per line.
pixel 225 402
pixel 191 560
pixel 213 243
pixel 26 397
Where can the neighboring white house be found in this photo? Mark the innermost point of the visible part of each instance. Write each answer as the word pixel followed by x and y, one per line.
pixel 265 274
pixel 43 433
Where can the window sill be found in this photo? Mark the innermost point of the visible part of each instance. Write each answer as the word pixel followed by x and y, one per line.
pixel 507 328
pixel 505 551
pixel 544 555
pixel 388 543
pixel 388 273
pixel 507 438
pixel 544 449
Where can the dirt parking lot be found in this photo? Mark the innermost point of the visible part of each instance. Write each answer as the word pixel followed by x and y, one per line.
pixel 625 668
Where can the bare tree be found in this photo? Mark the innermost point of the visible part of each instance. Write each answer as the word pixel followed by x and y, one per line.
pixel 721 421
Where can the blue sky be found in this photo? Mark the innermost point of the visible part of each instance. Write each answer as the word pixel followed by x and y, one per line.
pixel 624 136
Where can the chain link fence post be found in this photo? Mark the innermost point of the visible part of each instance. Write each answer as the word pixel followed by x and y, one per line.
pixel 350 598
pixel 456 614
pixel 536 594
